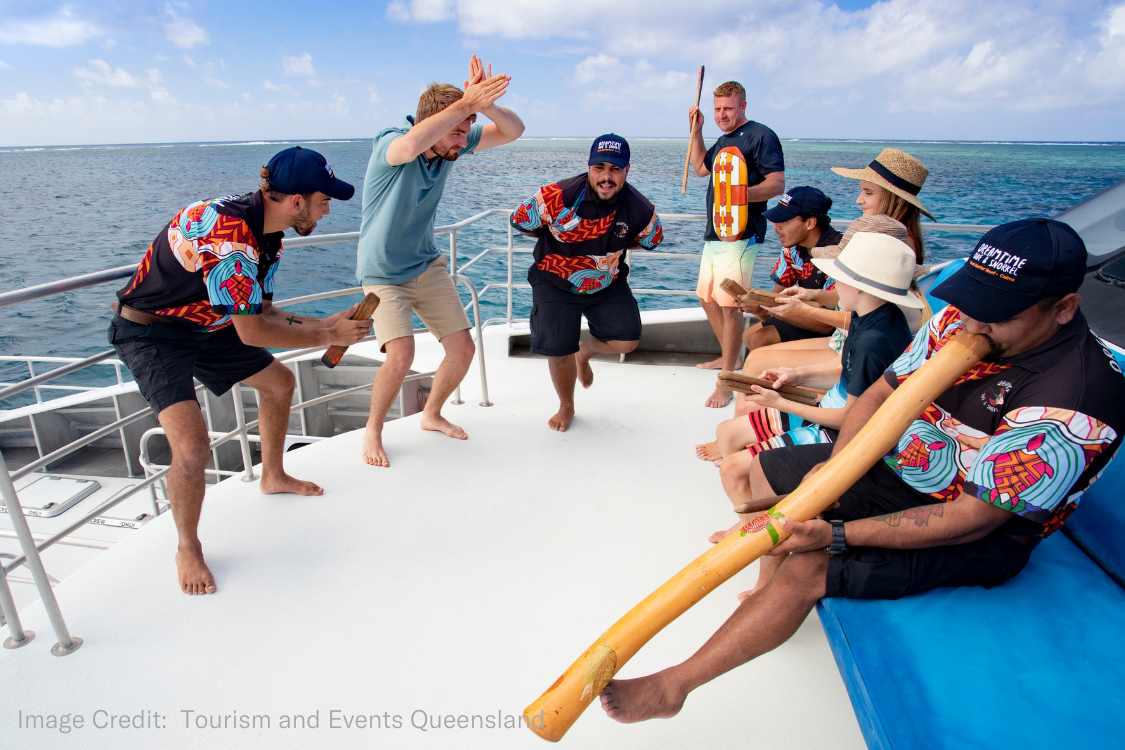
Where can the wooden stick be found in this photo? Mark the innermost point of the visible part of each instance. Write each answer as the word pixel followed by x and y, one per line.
pixel 553 713
pixel 335 353
pixel 691 130
pixel 743 383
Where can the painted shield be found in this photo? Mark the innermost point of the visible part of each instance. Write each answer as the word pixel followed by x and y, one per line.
pixel 729 175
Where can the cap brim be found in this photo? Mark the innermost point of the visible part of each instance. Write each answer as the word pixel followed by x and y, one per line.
pixel 338 189
pixel 980 301
pixel 779 213
pixel 830 267
pixel 870 175
pixel 619 163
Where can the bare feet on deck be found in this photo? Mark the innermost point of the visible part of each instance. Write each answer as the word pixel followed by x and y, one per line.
pixel 652 697
pixel 561 420
pixel 280 484
pixel 718 399
pixel 709 452
pixel 719 536
pixel 195 576
pixel 582 359
pixel 715 364
pixel 373 453
pixel 443 425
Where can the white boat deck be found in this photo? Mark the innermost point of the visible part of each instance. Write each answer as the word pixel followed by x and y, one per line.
pixel 461 581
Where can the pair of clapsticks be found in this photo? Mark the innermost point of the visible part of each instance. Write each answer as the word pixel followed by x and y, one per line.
pixel 759 297
pixel 365 310
pixel 736 381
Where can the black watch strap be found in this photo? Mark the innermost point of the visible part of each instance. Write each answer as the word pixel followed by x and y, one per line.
pixel 838 547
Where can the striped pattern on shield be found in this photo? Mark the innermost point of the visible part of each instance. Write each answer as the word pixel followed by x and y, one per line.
pixel 729 175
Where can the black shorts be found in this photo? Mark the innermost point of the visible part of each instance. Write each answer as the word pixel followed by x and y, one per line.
pixel 790 332
pixel 556 317
pixel 165 358
pixel 877 573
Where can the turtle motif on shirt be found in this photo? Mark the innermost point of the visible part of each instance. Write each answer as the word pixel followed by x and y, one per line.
pixel 240 287
pixel 1015 472
pixel 916 454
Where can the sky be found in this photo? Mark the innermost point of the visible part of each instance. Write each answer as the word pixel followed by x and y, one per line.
pixel 120 71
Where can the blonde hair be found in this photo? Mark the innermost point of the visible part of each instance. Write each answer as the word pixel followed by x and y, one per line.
pixel 436 98
pixel 907 213
pixel 731 88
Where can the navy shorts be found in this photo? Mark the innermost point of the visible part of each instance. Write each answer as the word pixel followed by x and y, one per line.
pixel 165 358
pixel 878 573
pixel 790 332
pixel 556 317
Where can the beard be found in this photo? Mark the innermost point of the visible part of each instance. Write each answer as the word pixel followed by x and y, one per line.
pixel 597 194
pixel 302 225
pixel 450 154
pixel 995 352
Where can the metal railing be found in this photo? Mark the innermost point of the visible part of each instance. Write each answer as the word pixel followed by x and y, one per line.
pixel 32 545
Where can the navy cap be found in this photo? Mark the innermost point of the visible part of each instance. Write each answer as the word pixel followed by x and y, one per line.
pixel 800 201
pixel 1014 266
pixel 301 171
pixel 610 149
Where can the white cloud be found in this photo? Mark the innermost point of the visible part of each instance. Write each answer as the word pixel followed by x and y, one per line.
pixel 421 10
pixel 217 83
pixel 99 73
pixel 340 107
pixel 189 62
pixel 280 88
pixel 372 95
pixel 298 65
pixel 63 29
pixel 183 32
pixel 161 58
pixel 4 65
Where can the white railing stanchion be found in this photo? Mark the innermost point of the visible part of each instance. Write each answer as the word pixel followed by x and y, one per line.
pixel 66 644
pixel 453 253
pixel 248 474
pixel 511 263
pixel 19 637
pixel 480 341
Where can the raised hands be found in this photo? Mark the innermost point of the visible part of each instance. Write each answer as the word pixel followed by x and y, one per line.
pixel 483 89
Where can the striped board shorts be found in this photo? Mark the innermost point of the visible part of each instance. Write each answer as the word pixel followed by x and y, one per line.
pixel 774 428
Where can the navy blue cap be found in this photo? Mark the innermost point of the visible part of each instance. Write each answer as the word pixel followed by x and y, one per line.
pixel 800 201
pixel 301 171
pixel 1014 266
pixel 610 149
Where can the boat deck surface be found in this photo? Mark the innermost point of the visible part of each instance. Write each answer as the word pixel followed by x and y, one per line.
pixel 461 581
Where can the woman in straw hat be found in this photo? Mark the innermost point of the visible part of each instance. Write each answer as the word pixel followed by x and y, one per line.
pixel 890 186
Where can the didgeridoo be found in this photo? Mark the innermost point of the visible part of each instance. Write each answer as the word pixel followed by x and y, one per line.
pixel 691 130
pixel 736 381
pixel 565 700
pixel 335 353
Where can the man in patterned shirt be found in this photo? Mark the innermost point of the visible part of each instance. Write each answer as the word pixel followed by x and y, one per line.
pixel 200 305
pixel 995 464
pixel 583 227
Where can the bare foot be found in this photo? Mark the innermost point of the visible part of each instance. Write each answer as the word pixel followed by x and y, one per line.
pixel 561 420
pixel 719 536
pixel 709 451
pixel 280 484
pixel 745 595
pixel 582 359
pixel 652 697
pixel 719 399
pixel 373 453
pixel 195 576
pixel 442 425
pixel 715 364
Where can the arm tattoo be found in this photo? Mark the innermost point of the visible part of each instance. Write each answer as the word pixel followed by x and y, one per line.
pixel 920 516
pixel 293 319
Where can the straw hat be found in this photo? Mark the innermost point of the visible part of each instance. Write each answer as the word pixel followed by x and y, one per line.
pixel 896 171
pixel 877 264
pixel 881 224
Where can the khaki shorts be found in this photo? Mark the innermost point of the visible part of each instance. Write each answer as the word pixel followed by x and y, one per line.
pixel 433 295
pixel 726 260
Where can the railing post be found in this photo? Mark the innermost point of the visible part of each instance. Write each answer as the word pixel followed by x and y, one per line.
pixel 31 373
pixel 66 644
pixel 453 252
pixel 511 262
pixel 480 341
pixel 248 474
pixel 19 637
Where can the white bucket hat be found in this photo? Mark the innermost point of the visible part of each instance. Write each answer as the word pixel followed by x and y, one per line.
pixel 877 264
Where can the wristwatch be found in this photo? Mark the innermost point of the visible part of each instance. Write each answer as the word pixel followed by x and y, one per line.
pixel 838 547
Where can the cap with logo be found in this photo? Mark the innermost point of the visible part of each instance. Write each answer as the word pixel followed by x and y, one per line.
pixel 610 149
pixel 301 171
pixel 1014 266
pixel 800 201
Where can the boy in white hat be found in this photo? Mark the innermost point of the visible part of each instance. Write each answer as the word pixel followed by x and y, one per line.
pixel 873 275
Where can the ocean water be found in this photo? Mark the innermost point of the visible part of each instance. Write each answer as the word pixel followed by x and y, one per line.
pixel 65 212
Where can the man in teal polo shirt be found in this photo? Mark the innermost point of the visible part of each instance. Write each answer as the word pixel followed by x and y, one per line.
pixel 398 258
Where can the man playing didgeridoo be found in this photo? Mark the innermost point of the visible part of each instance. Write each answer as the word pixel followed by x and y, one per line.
pixel 997 462
pixel 398 259
pixel 765 166
pixel 200 305
pixel 584 225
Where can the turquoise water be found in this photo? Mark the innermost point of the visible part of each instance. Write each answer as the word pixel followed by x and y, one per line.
pixel 65 212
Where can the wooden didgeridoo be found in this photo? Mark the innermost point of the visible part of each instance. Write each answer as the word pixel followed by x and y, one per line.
pixel 691 130
pixel 565 701
pixel 335 353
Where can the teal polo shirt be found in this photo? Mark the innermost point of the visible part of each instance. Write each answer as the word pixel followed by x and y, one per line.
pixel 396 233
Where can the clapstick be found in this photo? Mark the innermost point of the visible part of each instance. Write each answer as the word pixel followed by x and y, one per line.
pixel 569 696
pixel 736 381
pixel 335 352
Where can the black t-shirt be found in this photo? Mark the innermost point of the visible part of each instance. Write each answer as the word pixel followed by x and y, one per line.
pixel 762 150
pixel 582 239
pixel 874 341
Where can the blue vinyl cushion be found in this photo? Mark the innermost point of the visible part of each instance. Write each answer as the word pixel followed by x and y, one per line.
pixel 1098 524
pixel 1038 662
